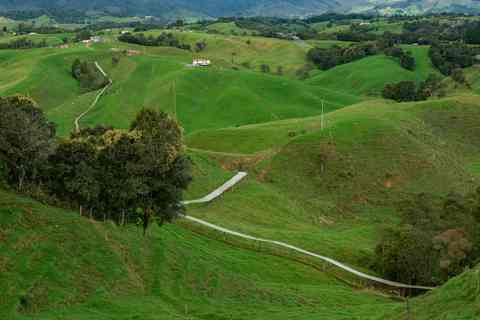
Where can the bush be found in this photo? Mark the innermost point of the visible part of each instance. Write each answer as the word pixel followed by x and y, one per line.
pixel 401 92
pixel 88 75
pixel 437 239
pixel 327 58
pixel 163 40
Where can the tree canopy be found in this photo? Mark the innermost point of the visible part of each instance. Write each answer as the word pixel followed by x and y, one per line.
pixel 26 139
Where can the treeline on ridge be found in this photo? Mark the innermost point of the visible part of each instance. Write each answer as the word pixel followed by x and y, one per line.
pixel 23 43
pixel 327 58
pixel 163 40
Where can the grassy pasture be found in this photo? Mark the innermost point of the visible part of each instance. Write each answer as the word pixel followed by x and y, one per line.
pixel 72 267
pixel 368 76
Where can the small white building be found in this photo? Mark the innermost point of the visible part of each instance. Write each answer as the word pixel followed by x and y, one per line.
pixel 201 63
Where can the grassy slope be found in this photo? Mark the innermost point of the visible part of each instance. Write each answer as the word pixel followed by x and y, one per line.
pixel 55 264
pixel 368 76
pixel 375 154
pixel 205 98
pixel 459 299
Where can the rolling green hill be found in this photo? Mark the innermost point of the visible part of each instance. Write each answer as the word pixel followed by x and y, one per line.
pixel 327 183
pixel 331 191
pixel 158 78
pixel 368 76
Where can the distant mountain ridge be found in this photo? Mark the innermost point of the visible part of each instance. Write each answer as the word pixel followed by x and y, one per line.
pixel 205 8
pixel 219 8
pixel 414 7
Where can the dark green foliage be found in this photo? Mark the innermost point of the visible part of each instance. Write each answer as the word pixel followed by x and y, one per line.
pixel 406 59
pixel 27 138
pixel 401 92
pixel 200 46
pixel 23 43
pixel 73 174
pixel 437 239
pixel 407 62
pixel 447 57
pixel 472 35
pixel 116 175
pixel 407 90
pixel 279 71
pixel 84 34
pixel 459 76
pixel 265 68
pixel 430 87
pixel 327 58
pixel 88 75
pixel 163 40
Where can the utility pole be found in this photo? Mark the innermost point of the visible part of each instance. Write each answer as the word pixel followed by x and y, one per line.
pixel 409 311
pixel 322 121
pixel 174 89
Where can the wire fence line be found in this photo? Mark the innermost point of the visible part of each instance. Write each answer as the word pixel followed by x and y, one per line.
pixel 239 177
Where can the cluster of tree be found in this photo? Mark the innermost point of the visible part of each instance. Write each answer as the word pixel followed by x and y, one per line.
pixel 27 138
pixel 163 40
pixel 23 43
pixel 327 58
pixel 270 27
pixel 472 34
pixel 24 28
pixel 333 17
pixel 437 239
pixel 405 57
pixel 88 75
pixel 200 46
pixel 111 174
pixel 415 31
pixel 356 35
pixel 447 57
pixel 407 90
pixel 83 34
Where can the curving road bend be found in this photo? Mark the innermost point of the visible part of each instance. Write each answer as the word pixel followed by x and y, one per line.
pixel 239 177
pixel 94 103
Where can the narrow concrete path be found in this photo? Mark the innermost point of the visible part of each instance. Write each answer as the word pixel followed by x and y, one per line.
pixel 219 191
pixel 97 98
pixel 239 177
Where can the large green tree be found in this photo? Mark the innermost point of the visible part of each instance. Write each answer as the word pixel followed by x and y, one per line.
pixel 120 174
pixel 27 138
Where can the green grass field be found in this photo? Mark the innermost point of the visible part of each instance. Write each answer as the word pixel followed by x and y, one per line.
pixel 368 76
pixel 328 184
pixel 159 79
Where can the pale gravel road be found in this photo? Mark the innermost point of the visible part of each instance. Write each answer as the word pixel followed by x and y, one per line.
pixel 99 95
pixel 239 177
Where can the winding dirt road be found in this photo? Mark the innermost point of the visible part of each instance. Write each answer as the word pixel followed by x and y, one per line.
pixel 94 103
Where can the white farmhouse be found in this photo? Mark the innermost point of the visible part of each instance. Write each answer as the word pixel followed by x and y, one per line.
pixel 201 63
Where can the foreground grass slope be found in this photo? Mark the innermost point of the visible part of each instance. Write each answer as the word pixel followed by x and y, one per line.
pixel 458 299
pixel 56 264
